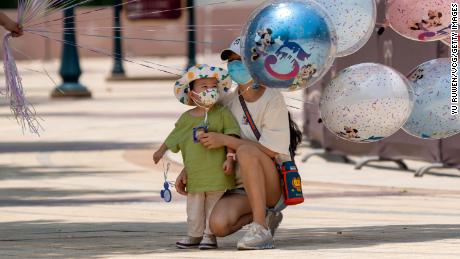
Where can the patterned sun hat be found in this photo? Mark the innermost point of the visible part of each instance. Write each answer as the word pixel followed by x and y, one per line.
pixel 181 87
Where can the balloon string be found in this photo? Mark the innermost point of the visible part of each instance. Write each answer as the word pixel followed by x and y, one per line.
pixel 150 67
pixel 206 119
pixel 45 8
pixel 203 26
pixel 126 38
pixel 117 55
pixel 145 13
pixel 22 110
pixel 76 5
pixel 33 70
pixel 108 54
pixel 128 29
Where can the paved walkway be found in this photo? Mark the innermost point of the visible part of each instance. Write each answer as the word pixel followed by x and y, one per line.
pixel 87 189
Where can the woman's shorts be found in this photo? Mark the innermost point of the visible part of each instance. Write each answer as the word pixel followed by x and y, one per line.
pixel 278 207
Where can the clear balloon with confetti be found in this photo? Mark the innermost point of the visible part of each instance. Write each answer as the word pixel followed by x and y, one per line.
pixel 421 20
pixel 431 117
pixel 354 21
pixel 366 103
pixel 288 44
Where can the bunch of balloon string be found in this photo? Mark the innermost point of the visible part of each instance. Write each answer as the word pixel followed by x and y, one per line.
pixel 280 57
pixel 38 17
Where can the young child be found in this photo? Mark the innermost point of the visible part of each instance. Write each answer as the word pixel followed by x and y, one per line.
pixel 209 172
pixel 9 25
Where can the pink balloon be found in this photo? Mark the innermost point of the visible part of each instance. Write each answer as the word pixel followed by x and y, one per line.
pixel 421 20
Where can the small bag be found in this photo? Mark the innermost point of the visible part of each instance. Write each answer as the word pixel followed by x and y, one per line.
pixel 291 184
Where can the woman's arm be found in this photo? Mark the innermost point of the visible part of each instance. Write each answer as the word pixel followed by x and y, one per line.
pixel 216 140
pixel 236 143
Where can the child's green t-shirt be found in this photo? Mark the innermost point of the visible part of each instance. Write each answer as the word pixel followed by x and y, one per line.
pixel 204 166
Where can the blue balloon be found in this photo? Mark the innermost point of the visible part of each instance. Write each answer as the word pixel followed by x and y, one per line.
pixel 288 44
pixel 431 117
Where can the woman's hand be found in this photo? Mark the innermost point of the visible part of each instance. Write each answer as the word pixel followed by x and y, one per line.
pixel 212 140
pixel 181 182
pixel 10 25
pixel 228 166
pixel 16 30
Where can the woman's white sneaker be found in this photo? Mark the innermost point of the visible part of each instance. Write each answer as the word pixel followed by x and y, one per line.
pixel 273 220
pixel 256 238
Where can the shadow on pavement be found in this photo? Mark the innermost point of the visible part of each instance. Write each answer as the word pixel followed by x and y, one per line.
pixel 349 237
pixel 435 172
pixel 93 240
pixel 21 193
pixel 17 147
pixel 9 172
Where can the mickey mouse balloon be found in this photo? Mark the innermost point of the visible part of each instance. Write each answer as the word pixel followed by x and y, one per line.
pixel 288 44
pixel 431 117
pixel 354 21
pixel 366 103
pixel 421 20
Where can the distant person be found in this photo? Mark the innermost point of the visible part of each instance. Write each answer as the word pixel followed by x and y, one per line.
pixel 10 25
pixel 209 172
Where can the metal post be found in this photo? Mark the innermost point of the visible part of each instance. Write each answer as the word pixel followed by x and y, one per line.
pixel 191 34
pixel 117 70
pixel 70 65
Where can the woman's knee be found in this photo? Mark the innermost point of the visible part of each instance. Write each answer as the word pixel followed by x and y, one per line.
pixel 226 215
pixel 246 153
pixel 219 225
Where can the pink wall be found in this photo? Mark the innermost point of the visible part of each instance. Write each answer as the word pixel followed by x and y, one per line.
pixel 36 47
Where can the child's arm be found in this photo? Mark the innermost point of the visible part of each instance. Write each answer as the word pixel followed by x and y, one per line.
pixel 158 155
pixel 10 25
pixel 170 143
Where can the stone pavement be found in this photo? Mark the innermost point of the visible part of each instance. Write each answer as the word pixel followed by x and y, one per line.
pixel 87 187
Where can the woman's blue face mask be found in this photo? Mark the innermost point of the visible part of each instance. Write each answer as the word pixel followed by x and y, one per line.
pixel 238 72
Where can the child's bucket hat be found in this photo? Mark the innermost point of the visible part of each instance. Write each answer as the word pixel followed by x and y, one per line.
pixel 181 87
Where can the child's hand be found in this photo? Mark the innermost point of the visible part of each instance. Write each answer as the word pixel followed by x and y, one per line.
pixel 229 166
pixel 157 156
pixel 181 182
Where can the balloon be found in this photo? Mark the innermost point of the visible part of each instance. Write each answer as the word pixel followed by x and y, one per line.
pixel 366 103
pixel 288 44
pixel 431 115
pixel 421 20
pixel 354 22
